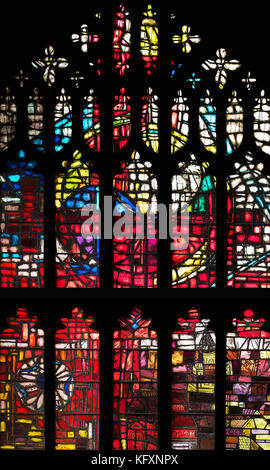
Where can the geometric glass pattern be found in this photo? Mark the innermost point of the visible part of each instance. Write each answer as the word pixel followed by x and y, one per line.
pixel 135 399
pixel 193 384
pixel 22 384
pixel 248 385
pixel 77 384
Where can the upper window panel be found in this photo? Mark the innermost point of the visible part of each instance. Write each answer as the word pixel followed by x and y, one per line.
pixel 198 121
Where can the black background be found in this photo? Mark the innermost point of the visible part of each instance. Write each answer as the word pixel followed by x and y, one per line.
pixel 243 29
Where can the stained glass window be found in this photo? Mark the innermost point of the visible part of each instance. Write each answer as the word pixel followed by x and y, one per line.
pixel 22 236
pixel 193 384
pixel 135 254
pixel 247 385
pixel 121 120
pixel 193 262
pixel 77 384
pixel 22 384
pixel 35 112
pixel 77 250
pixel 135 420
pixel 180 125
pixel 121 39
pixel 8 118
pixel 91 121
pixel 62 120
pixel 248 225
pixel 149 39
pixel 150 120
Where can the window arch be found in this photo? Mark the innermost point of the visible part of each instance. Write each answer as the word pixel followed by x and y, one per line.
pixel 217 127
pixel 209 106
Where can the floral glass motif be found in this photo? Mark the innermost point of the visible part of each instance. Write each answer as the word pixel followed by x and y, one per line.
pixel 193 384
pixel 248 225
pixel 135 394
pixel 221 65
pixel 261 123
pixel 77 249
pixel 180 124
pixel 135 255
pixel 248 385
pixel 22 225
pixel 150 120
pixel 185 39
pixel 77 384
pixel 121 120
pixel 207 123
pixel 149 40
pixel 121 39
pixel 8 118
pixel 84 38
pixel 194 265
pixel 35 128
pixel 91 121
pixel 62 121
pixel 234 123
pixel 22 384
pixel 50 63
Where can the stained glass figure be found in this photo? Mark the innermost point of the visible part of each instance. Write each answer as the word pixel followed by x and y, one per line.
pixel 91 121
pixel 77 384
pixel 8 118
pixel 234 123
pixel 135 202
pixel 207 123
pixel 248 226
pixel 135 395
pixel 261 123
pixel 150 120
pixel 149 40
pixel 121 39
pixel 248 385
pixel 77 250
pixel 50 63
pixel 22 225
pixel 180 125
pixel 221 65
pixel 62 120
pixel 194 265
pixel 121 121
pixel 193 384
pixel 22 384
pixel 35 114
